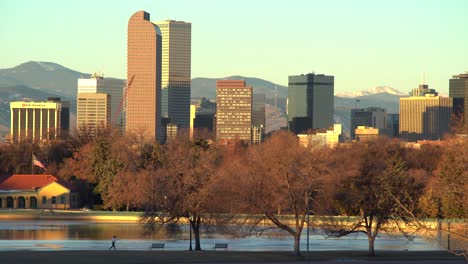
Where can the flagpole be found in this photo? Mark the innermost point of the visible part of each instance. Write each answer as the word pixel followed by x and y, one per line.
pixel 32 162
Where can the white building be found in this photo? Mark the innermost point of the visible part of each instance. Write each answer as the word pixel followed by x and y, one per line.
pixel 110 86
pixel 330 138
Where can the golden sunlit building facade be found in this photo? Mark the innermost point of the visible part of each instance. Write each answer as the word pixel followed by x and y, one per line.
pixel 233 111
pixel 35 121
pixel 143 92
pixel 93 112
pixel 424 117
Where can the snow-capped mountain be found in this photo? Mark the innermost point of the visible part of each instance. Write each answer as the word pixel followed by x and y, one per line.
pixel 375 90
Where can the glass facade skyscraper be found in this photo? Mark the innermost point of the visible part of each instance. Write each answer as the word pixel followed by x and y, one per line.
pixel 310 102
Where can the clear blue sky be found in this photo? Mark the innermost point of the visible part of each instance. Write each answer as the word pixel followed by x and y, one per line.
pixel 363 43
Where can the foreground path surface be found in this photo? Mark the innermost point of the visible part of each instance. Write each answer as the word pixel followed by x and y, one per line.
pixel 160 256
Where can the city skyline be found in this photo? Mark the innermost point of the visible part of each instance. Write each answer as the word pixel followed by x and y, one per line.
pixel 363 43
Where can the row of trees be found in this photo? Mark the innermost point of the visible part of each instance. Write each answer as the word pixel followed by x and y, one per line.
pixel 373 187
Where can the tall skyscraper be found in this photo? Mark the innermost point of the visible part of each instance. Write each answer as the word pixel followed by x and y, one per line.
pixel 176 71
pixel 425 117
pixel 204 122
pixel 35 121
pixel 258 110
pixel 143 95
pixel 64 115
pixel 370 117
pixel 310 102
pixel 233 111
pixel 258 118
pixel 393 121
pixel 113 87
pixel 92 112
pixel 458 91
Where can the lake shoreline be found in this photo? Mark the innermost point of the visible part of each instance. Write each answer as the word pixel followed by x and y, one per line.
pixel 78 215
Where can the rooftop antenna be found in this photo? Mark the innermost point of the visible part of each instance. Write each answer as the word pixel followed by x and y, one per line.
pixel 424 78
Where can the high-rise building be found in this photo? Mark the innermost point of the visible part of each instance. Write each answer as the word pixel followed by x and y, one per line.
pixel 393 121
pixel 458 91
pixel 35 121
pixel 65 115
pixel 92 112
pixel 176 71
pixel 424 117
pixel 204 122
pixel 143 95
pixel 310 102
pixel 111 86
pixel 370 117
pixel 258 110
pixel 233 111
pixel 258 118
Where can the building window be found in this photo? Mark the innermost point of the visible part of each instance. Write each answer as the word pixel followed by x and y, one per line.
pixel 62 199
pixel 44 200
pixel 54 200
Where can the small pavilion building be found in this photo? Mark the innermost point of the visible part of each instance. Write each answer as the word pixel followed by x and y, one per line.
pixel 36 191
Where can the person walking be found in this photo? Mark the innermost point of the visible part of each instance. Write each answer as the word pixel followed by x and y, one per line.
pixel 114 239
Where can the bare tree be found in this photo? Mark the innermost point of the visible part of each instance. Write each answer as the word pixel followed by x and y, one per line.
pixel 382 196
pixel 180 189
pixel 277 181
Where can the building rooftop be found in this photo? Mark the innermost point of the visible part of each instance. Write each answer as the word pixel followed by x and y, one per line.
pixel 27 181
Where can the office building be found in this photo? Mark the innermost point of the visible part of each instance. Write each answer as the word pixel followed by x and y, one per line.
pixel 143 92
pixel 424 117
pixel 325 138
pixel 65 115
pixel 258 110
pixel 422 90
pixel 171 132
pixel 35 121
pixel 310 102
pixel 233 111
pixel 370 117
pixel 366 133
pixel 458 91
pixel 111 86
pixel 176 71
pixel 93 112
pixel 393 121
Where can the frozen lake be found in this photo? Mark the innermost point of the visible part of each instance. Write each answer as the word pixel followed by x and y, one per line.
pixel 84 235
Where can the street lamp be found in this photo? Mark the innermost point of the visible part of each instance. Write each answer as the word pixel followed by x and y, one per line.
pixel 190 228
pixel 308 224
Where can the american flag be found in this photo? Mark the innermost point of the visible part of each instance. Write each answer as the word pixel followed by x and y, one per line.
pixel 36 162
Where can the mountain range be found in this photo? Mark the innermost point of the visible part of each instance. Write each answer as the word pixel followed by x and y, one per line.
pixel 35 81
pixel 371 91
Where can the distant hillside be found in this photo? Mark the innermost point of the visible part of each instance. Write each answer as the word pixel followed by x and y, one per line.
pixel 206 87
pixel 44 76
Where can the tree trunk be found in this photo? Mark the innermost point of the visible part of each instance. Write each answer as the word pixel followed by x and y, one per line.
pixel 196 234
pixel 297 244
pixel 371 241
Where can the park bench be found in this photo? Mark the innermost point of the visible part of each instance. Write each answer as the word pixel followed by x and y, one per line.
pixel 220 245
pixel 157 245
